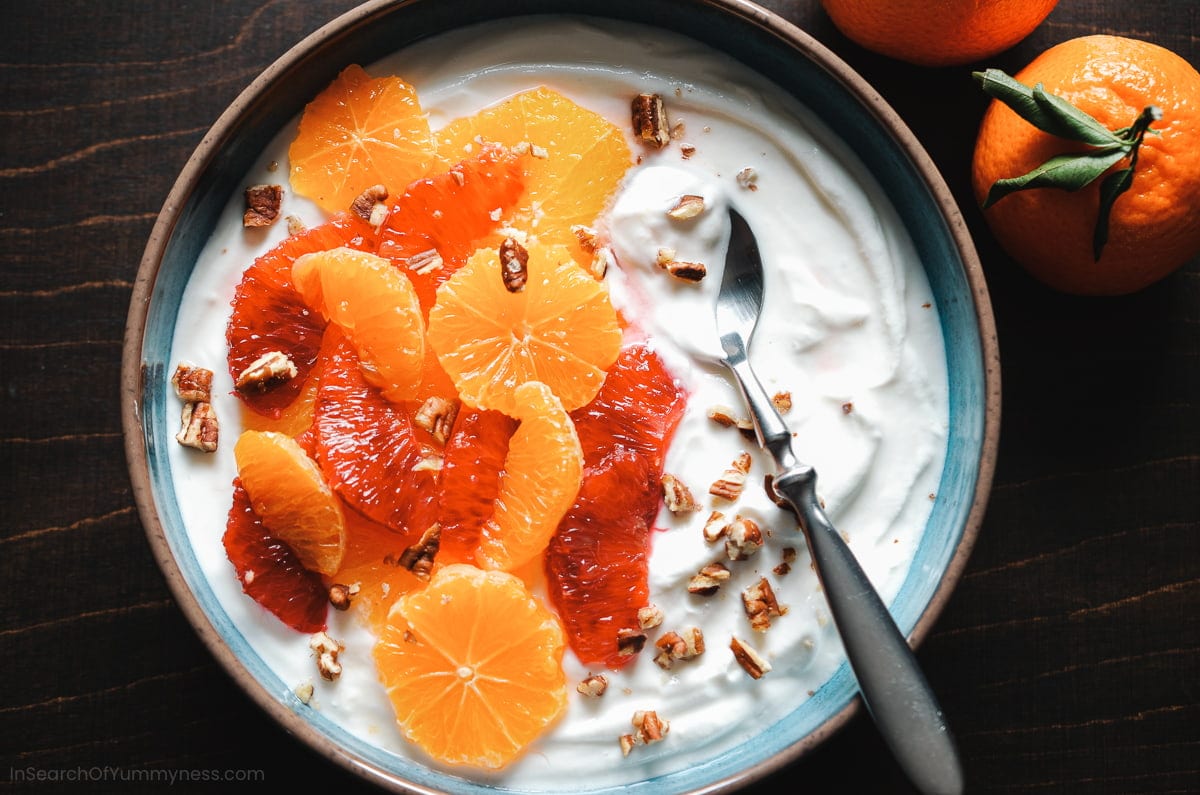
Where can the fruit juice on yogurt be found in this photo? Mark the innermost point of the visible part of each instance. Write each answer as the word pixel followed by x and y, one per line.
pixel 848 342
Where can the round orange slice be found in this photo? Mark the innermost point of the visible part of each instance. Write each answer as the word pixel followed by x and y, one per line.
pixel 290 496
pixel 376 307
pixel 358 132
pixel 540 480
pixel 561 330
pixel 576 160
pixel 472 664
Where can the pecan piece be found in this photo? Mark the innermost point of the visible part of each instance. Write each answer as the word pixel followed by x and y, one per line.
pixel 436 415
pixel 424 262
pixel 262 205
pixel 630 641
pixel 650 123
pixel 789 557
pixel 748 178
pixel 782 401
pixel 418 558
pixel 691 272
pixel 327 650
pixel 369 205
pixel 688 206
pixel 729 486
pixel 761 605
pixel 649 616
pixel 593 686
pixel 708 580
pixel 514 262
pixel 674 646
pixel 340 595
pixel 743 538
pixel 193 384
pixel 199 427
pixel 715 527
pixel 677 496
pixel 751 661
pixel 268 370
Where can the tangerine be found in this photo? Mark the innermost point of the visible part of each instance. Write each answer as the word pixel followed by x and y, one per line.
pixel 576 161
pixel 472 664
pixel 950 32
pixel 561 330
pixel 290 496
pixel 359 132
pixel 540 480
pixel 1154 227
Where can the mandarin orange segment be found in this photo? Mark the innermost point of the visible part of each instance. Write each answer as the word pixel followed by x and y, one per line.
pixel 561 329
pixel 376 307
pixel 472 664
pixel 370 563
pixel 358 132
pixel 541 477
pixel 577 159
pixel 292 499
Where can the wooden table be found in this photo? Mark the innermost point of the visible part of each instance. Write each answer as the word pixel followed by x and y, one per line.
pixel 1068 659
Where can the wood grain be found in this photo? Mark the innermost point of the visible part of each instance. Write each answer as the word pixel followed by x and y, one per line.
pixel 1068 658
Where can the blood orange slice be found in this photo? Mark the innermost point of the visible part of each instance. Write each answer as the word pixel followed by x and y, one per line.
pixel 370 450
pixel 471 465
pixel 270 572
pixel 269 315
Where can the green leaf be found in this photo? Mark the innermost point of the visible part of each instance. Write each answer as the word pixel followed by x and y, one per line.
pixel 1046 111
pixel 1075 124
pixel 1068 172
pixel 1111 188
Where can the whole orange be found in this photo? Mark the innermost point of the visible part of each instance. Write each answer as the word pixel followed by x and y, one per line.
pixel 1154 227
pixel 937 32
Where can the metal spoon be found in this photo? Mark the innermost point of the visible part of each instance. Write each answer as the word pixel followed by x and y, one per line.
pixel 894 689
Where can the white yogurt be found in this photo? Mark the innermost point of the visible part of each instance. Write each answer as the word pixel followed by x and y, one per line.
pixel 848 329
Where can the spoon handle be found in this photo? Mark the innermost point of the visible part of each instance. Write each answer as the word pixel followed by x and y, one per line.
pixel 894 689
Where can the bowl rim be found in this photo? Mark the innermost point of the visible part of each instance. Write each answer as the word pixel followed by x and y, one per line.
pixel 133 368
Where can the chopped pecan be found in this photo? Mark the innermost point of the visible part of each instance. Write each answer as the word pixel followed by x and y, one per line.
pixel 715 527
pixel 708 580
pixel 743 538
pixel 593 686
pixel 262 205
pixel 650 123
pixel 586 237
pixel 649 616
pixel 650 728
pixel 782 401
pixel 424 262
pixel 341 595
pixel 674 646
pixel 514 265
pixel 630 641
pixel 627 743
pixel 692 272
pixel 418 557
pixel 295 225
pixel 677 496
pixel 430 462
pixel 748 178
pixel 327 650
pixel 687 150
pixel 304 692
pixel 199 427
pixel 729 486
pixel 369 205
pixel 601 261
pixel 789 557
pixel 193 384
pixel 751 661
pixel 436 415
pixel 688 206
pixel 268 370
pixel 664 256
pixel 761 605
pixel 847 407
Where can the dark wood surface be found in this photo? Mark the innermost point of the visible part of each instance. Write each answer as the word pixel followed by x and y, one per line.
pixel 1068 659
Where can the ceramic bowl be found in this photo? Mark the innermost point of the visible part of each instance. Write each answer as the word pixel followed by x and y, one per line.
pixel 763 41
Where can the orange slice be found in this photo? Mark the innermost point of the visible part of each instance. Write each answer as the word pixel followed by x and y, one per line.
pixel 576 160
pixel 376 307
pixel 472 664
pixel 358 132
pixel 561 329
pixel 291 498
pixel 541 477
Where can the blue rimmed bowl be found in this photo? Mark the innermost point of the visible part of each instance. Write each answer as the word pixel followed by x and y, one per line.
pixel 764 42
